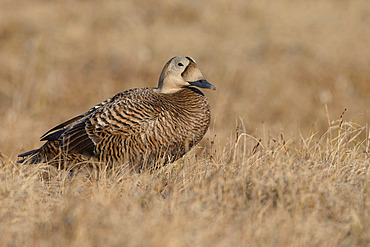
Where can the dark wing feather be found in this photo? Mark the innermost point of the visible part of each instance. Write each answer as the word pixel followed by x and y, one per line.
pixel 27 154
pixel 53 136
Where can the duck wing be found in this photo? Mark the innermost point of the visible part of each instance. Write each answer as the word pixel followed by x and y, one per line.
pixel 122 114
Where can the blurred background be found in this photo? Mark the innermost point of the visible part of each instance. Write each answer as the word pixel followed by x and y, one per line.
pixel 275 63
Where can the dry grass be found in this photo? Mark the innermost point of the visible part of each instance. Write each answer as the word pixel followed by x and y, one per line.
pixel 278 193
pixel 277 168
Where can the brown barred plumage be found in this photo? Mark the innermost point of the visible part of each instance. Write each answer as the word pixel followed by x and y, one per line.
pixel 144 127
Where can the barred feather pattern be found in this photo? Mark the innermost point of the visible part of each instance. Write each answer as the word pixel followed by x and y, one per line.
pixel 140 127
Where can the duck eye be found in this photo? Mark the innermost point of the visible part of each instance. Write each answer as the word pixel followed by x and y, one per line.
pixel 180 64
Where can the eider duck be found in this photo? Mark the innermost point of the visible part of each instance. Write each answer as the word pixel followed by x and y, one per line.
pixel 145 128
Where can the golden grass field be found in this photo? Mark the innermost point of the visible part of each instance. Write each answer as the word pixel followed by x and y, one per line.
pixel 283 164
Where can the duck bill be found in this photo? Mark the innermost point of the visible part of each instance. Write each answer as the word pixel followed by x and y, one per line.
pixel 202 84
